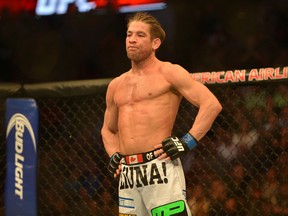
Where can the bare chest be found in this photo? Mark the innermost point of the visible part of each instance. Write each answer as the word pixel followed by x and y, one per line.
pixel 133 90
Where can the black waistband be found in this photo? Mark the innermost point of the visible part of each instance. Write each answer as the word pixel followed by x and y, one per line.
pixel 139 158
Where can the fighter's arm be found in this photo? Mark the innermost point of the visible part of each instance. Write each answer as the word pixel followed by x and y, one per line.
pixel 201 97
pixel 197 94
pixel 110 125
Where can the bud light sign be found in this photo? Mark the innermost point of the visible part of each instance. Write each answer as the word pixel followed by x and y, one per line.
pixel 21 173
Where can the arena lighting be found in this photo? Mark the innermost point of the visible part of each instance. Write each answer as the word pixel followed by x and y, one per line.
pixel 51 7
pixel 143 7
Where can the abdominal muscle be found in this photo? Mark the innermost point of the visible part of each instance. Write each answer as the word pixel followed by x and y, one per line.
pixel 144 124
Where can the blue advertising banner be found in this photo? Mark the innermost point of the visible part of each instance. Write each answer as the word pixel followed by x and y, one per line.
pixel 21 162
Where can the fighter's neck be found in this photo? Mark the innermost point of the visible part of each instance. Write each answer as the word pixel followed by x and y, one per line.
pixel 144 65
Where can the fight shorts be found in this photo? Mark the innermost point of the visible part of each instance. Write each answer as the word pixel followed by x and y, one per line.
pixel 148 186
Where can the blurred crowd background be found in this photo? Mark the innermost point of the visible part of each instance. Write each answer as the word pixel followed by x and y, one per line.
pixel 240 168
pixel 201 36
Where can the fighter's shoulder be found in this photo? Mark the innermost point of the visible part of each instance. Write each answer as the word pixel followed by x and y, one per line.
pixel 168 68
pixel 117 80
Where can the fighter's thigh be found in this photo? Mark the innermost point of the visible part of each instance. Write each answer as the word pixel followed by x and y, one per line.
pixel 166 194
pixel 166 200
pixel 130 203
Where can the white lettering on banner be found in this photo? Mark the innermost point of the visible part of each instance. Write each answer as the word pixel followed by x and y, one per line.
pixel 139 176
pixel 19 121
pixel 49 7
pixel 19 159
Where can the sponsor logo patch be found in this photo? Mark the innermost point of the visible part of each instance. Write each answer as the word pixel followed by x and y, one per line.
pixel 126 203
pixel 175 208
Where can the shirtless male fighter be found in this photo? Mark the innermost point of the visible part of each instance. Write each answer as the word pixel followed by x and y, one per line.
pixel 142 105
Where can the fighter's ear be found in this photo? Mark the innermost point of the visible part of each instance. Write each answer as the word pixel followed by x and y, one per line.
pixel 156 43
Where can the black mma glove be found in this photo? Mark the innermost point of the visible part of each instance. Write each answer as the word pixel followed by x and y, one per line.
pixel 175 147
pixel 114 162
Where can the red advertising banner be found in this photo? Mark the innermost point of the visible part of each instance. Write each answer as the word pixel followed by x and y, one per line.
pixel 50 7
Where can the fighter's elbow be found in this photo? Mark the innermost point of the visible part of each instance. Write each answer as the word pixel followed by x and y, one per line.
pixel 217 107
pixel 103 131
pixel 107 130
pixel 214 106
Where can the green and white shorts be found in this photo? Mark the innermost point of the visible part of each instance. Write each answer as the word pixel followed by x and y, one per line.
pixel 148 186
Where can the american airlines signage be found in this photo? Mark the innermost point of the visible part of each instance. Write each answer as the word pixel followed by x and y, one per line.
pixel 51 7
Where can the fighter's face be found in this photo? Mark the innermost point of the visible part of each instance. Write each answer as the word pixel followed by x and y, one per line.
pixel 139 44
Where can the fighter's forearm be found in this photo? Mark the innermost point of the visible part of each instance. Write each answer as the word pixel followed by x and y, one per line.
pixel 204 120
pixel 110 141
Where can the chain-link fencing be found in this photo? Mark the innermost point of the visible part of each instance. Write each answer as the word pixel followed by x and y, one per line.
pixel 239 167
